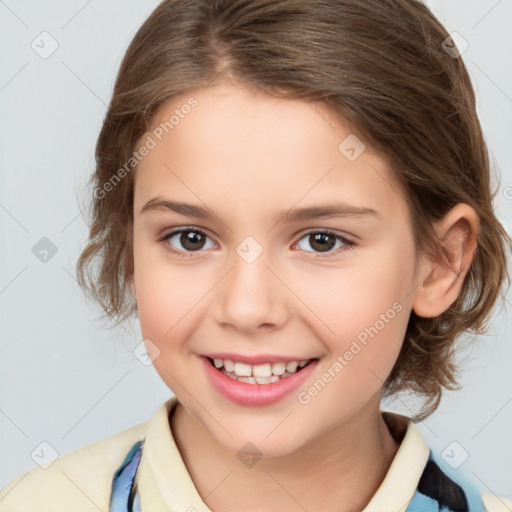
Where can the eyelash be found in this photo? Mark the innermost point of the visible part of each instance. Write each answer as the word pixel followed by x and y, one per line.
pixel 349 244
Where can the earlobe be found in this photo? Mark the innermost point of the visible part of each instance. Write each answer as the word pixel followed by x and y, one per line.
pixel 443 275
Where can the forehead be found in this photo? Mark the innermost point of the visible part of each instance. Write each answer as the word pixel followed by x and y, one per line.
pixel 240 148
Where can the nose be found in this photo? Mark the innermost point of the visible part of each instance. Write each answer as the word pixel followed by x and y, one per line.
pixel 251 297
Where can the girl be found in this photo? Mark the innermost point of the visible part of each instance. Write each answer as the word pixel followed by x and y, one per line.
pixel 294 198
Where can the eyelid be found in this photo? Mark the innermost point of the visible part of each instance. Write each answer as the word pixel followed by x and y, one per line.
pixel 348 243
pixel 181 229
pixel 328 231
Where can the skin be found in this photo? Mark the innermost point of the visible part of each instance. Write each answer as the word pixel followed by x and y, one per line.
pixel 248 156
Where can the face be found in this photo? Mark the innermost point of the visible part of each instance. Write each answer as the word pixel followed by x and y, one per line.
pixel 256 280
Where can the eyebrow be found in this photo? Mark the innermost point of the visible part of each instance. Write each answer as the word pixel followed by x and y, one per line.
pixel 335 209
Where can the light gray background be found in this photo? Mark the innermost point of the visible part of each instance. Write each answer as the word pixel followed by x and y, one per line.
pixel 64 378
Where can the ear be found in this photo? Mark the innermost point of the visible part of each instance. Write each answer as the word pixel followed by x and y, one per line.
pixel 442 278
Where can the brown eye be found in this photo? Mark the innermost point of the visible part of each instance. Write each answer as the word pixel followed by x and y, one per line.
pixel 190 240
pixel 322 241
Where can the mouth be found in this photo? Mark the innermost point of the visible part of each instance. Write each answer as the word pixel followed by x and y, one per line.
pixel 265 373
pixel 261 384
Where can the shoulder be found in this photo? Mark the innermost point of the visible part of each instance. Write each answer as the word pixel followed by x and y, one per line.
pixel 495 503
pixel 437 485
pixel 453 492
pixel 77 481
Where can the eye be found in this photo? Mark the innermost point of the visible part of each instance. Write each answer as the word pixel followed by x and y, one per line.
pixel 192 239
pixel 325 240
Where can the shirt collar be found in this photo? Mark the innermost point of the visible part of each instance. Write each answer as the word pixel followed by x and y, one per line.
pixel 401 480
pixel 164 483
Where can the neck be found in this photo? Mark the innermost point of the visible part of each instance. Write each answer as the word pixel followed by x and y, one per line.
pixel 340 471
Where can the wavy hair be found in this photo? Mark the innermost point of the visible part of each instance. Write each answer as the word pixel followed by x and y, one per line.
pixel 385 68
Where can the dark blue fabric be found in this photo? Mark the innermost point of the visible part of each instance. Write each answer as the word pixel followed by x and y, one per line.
pixel 122 498
pixel 437 492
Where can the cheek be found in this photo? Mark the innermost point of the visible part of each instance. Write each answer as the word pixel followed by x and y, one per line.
pixel 361 314
pixel 163 296
pixel 166 303
pixel 163 306
pixel 348 300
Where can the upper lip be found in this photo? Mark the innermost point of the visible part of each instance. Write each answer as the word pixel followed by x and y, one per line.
pixel 256 359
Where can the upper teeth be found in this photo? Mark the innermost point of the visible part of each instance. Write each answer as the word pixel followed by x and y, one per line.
pixel 259 370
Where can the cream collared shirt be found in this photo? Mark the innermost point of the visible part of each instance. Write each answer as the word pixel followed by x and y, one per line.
pixel 81 481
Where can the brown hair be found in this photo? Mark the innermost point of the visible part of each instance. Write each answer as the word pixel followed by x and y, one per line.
pixel 382 66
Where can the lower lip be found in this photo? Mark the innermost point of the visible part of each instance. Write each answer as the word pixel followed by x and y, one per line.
pixel 243 393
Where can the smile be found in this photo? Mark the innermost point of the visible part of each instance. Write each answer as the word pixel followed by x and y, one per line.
pixel 261 373
pixel 256 385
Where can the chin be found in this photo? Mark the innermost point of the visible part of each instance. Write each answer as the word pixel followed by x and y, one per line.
pixel 253 442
